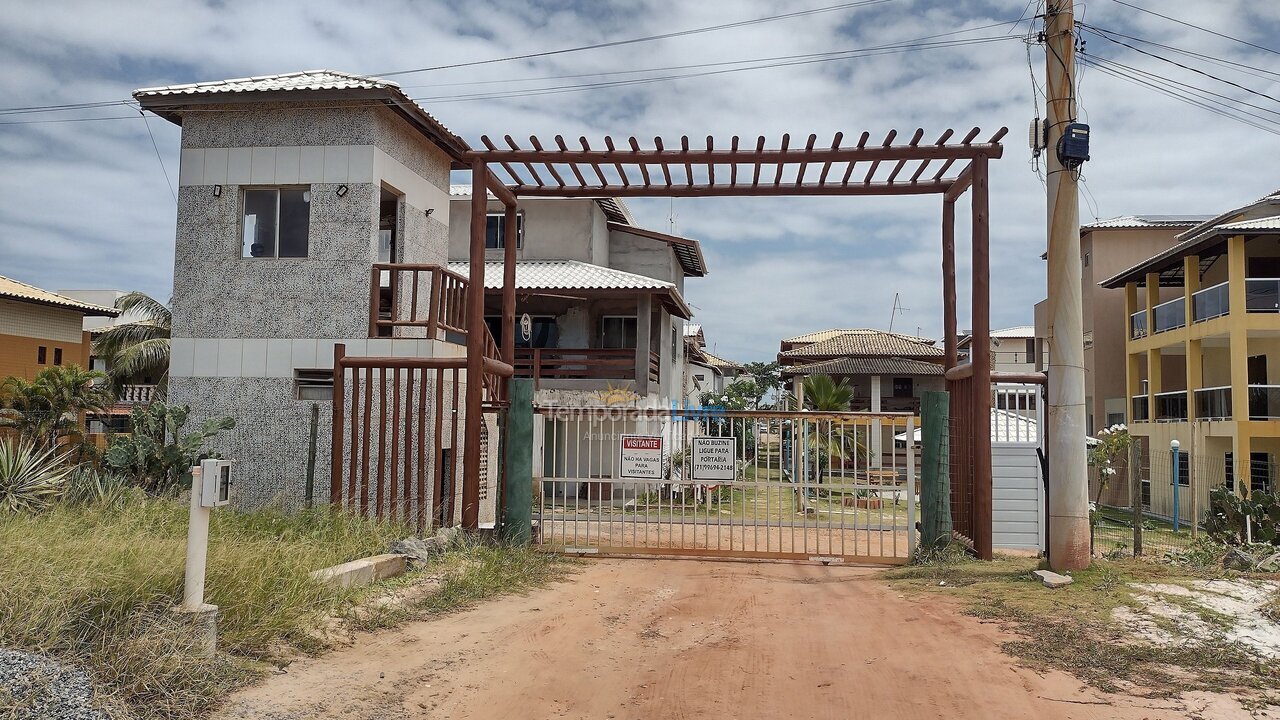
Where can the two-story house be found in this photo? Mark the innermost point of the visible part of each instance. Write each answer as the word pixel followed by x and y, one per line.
pixel 290 189
pixel 1106 248
pixel 41 329
pixel 1013 349
pixel 1203 353
pixel 705 372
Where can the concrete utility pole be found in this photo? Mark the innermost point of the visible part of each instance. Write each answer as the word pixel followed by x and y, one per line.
pixel 1065 440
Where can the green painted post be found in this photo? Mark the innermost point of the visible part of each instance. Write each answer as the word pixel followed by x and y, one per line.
pixel 517 509
pixel 935 470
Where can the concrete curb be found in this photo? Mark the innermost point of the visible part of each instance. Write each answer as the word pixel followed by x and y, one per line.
pixel 364 571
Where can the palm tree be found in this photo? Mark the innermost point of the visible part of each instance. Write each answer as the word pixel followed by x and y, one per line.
pixel 825 394
pixel 139 348
pixel 53 405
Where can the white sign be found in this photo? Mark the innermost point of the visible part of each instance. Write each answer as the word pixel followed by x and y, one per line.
pixel 640 457
pixel 526 327
pixel 713 458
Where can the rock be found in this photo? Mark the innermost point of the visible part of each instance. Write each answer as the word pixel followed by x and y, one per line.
pixel 448 534
pixel 1271 564
pixel 419 550
pixel 1052 579
pixel 1237 559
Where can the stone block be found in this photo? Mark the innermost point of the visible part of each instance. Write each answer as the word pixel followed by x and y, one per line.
pixel 1052 579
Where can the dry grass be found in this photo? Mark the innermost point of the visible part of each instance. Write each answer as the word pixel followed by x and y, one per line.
pixel 1073 629
pixel 93 586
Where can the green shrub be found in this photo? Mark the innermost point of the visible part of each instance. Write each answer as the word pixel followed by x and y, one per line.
pixel 1233 519
pixel 157 454
pixel 31 479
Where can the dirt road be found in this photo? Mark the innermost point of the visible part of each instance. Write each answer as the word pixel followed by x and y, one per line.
pixel 686 639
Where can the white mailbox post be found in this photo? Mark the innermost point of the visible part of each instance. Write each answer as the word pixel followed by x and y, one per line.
pixel 210 488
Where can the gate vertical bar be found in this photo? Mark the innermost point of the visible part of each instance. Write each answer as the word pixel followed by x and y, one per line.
pixel 336 439
pixel 911 488
pixel 475 350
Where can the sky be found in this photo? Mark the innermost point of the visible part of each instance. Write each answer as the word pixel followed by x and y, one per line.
pixel 87 203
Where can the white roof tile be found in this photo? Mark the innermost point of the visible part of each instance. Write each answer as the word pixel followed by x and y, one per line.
pixel 564 275
pixel 1146 221
pixel 1264 223
pixel 304 80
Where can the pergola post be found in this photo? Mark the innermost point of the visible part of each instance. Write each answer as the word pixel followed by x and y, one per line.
pixel 981 359
pixel 475 350
pixel 510 241
pixel 951 341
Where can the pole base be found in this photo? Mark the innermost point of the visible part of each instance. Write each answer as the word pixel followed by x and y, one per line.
pixel 202 621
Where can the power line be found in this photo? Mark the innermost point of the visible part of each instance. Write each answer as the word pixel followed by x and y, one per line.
pixel 1241 67
pixel 648 38
pixel 1197 27
pixel 1194 88
pixel 158 156
pixel 1234 84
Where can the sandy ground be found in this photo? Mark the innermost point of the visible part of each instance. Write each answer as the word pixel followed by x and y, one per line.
pixel 693 639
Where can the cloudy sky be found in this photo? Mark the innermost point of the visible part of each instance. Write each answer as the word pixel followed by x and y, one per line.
pixel 85 202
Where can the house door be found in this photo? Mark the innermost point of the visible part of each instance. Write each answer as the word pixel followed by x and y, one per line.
pixel 1258 376
pixel 388 235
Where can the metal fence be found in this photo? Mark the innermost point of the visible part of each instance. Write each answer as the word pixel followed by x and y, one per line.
pixel 1172 513
pixel 807 485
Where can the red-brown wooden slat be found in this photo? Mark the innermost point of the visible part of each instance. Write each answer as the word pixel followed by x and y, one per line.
pixel 688 166
pixel 968 138
pixel 888 140
pixel 622 173
pixel 800 171
pixel 711 167
pixel 644 170
pixel 515 178
pixel 942 140
pixel 537 179
pixel 848 171
pixel 897 168
pixel 826 167
pixel 537 145
pixel 666 170
pixel 755 178
pixel 943 170
pixel 782 163
pixel 572 166
pixel 998 136
pixel 733 167
pixel 587 146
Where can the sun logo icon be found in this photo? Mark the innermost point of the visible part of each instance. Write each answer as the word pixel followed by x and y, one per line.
pixel 611 395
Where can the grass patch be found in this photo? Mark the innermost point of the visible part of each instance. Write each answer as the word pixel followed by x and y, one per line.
pixel 93 586
pixel 1073 629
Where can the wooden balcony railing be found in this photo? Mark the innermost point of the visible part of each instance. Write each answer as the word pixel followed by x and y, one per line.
pixel 578 364
pixel 413 295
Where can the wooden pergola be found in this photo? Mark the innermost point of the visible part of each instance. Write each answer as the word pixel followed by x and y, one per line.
pixel 694 169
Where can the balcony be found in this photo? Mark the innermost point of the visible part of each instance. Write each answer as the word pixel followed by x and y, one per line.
pixel 1264 402
pixel 429 298
pixel 1138 325
pixel 1169 315
pixel 887 404
pixel 1262 295
pixel 1211 302
pixel 1171 406
pixel 582 364
pixel 1213 403
pixel 1141 410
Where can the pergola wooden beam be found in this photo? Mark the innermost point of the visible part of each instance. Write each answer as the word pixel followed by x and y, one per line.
pixel 725 190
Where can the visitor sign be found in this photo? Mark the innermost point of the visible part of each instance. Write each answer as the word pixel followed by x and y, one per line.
pixel 713 458
pixel 640 457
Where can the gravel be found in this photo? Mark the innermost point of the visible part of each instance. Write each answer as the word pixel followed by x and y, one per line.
pixel 33 686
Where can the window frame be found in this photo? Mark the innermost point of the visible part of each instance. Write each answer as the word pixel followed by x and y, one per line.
pixel 308 197
pixel 57 356
pixel 636 334
pixel 501 234
pixel 42 355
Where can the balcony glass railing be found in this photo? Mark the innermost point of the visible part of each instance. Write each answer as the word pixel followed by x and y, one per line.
pixel 1264 402
pixel 1138 325
pixel 1211 302
pixel 1141 410
pixel 1169 315
pixel 1213 403
pixel 1171 406
pixel 1262 294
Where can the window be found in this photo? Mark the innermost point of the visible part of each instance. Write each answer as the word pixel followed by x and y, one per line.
pixel 313 384
pixel 1184 469
pixel 1259 472
pixel 618 331
pixel 1115 419
pixel 903 387
pixel 1031 350
pixel 495 231
pixel 42 355
pixel 276 222
pixel 57 356
pixel 1085 260
pixel 545 333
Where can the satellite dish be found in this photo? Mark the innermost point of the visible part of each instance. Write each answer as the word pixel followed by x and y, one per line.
pixel 526 327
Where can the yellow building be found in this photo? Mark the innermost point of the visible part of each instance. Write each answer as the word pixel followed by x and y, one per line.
pixel 40 329
pixel 1203 357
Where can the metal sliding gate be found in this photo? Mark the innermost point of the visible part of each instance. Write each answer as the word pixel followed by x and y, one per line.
pixel 835 487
